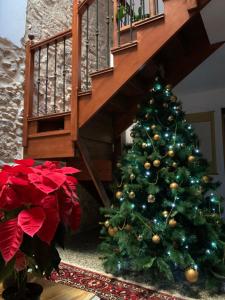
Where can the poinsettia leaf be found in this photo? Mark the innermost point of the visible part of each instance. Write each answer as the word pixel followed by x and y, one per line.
pixel 31 220
pixel 17 181
pixel 47 182
pixel 25 162
pixel 11 236
pixel 21 262
pixel 69 170
pixel 48 230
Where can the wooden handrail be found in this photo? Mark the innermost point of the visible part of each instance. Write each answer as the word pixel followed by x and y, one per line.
pixel 51 40
pixel 28 90
pixel 83 5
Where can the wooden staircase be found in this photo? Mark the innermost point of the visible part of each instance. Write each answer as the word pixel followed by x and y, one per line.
pixel 88 134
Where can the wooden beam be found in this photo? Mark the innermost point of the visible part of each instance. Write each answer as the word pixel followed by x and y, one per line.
pixel 28 90
pixel 92 171
pixel 76 57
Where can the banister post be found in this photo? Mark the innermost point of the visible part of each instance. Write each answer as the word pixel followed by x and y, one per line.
pixel 28 89
pixel 76 54
pixel 115 25
pixel 153 7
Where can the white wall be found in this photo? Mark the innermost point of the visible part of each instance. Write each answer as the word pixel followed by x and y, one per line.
pixel 211 100
pixel 12 20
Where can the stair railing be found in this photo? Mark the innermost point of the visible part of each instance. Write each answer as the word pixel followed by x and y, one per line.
pixel 96 38
pixel 128 13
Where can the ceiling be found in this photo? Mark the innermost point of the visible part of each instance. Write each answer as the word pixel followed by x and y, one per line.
pixel 211 73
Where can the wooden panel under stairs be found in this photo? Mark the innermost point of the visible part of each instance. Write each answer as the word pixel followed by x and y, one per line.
pixel 49 137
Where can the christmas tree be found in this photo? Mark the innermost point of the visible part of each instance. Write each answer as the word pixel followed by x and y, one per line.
pixel 166 215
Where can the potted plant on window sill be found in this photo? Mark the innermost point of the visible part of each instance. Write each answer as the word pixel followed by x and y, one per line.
pixel 37 204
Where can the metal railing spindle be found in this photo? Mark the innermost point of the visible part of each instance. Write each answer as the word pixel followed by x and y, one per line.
pixel 46 80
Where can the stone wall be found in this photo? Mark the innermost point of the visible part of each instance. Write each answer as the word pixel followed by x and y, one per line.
pixel 11 100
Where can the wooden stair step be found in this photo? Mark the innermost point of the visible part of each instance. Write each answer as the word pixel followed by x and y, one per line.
pixel 151 20
pixel 130 45
pixel 102 72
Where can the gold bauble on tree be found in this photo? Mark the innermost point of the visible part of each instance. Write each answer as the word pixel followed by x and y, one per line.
pixel 172 223
pixel 112 231
pixel 156 239
pixel 140 238
pixel 153 127
pixel 119 194
pixel 170 118
pixel 171 153
pixel 191 275
pixel 174 164
pixel 165 105
pixel 169 87
pixel 165 213
pixel 205 179
pixel 151 101
pixel 191 158
pixel 128 227
pixel 132 195
pixel 144 145
pixel 156 163
pixel 156 137
pixel 151 198
pixel 174 186
pixel 147 165
pixel 132 176
pixel 173 98
pixel 107 224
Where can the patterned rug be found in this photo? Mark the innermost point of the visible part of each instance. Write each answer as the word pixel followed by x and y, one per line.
pixel 105 287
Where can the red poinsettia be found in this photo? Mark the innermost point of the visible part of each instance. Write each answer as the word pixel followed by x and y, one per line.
pixel 33 201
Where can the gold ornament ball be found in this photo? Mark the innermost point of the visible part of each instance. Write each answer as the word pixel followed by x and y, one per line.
pixel 165 213
pixel 151 198
pixel 172 223
pixel 144 145
pixel 132 176
pixel 151 101
pixel 138 106
pixel 147 165
pixel 171 153
pixel 132 195
pixel 146 116
pixel 140 238
pixel 156 163
pixel 107 224
pixel 156 239
pixel 205 179
pixel 191 158
pixel 156 137
pixel 173 186
pixel 112 231
pixel 170 118
pixel 173 98
pixel 191 275
pixel 119 194
pixel 128 227
pixel 174 164
pixel 169 87
pixel 118 165
pixel 153 127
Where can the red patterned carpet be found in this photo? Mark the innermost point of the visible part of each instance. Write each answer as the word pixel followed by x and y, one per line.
pixel 105 287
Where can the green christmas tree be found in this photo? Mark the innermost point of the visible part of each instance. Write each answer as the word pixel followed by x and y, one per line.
pixel 166 215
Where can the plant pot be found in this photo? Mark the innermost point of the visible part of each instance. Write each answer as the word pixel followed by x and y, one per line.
pixel 32 292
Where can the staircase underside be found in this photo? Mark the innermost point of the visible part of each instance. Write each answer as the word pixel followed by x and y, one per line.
pixel 174 44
